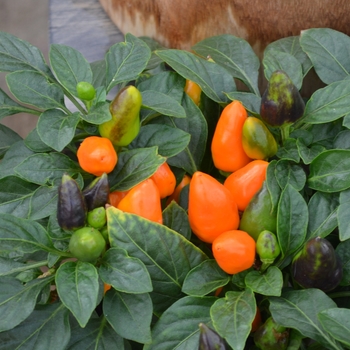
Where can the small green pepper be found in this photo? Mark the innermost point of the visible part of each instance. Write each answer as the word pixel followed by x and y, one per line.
pixel 125 123
pixel 267 247
pixel 96 218
pixel 85 91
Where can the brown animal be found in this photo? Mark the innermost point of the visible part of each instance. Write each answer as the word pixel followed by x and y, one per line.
pixel 182 23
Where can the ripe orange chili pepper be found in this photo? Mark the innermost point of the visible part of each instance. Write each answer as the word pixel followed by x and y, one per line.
pixel 176 194
pixel 193 90
pixel 106 287
pixel 116 196
pixel 226 147
pixel 211 207
pixel 165 180
pixel 96 155
pixel 257 321
pixel 234 251
pixel 143 200
pixel 245 182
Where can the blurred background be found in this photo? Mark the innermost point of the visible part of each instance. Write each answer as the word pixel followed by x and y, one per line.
pixel 28 20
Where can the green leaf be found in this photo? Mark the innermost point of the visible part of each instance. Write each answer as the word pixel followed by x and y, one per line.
pixel 98 69
pixel 42 168
pixel 167 255
pixel 289 151
pixel 98 113
pixel 204 279
pixel 9 107
pixel 213 79
pixel 308 154
pixel 16 54
pixel 233 315
pixel 162 104
pixel 56 128
pixel 125 61
pixel 46 328
pixel 342 215
pixel 124 273
pixel 178 327
pixel 7 138
pixel 17 301
pixel 96 335
pixel 269 283
pixel 134 166
pixel 279 60
pixel 35 143
pixel 292 220
pixel 70 67
pixel 130 315
pixel 302 308
pixel 21 236
pixel 342 140
pixel 330 171
pixel 77 286
pixel 34 89
pixel 236 55
pixel 10 267
pixel 328 104
pixel 343 252
pixel 323 208
pixel 272 184
pixel 288 173
pixel 170 141
pixel 250 101
pixel 176 219
pixel 337 323
pixel 329 51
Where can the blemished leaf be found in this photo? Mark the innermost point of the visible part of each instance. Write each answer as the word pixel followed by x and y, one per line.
pixel 329 51
pixel 17 301
pixel 126 60
pixel 269 283
pixel 124 273
pixel 204 279
pixel 213 79
pixel 235 54
pixel 56 128
pixel 78 287
pixel 302 308
pixel 97 334
pixel 232 317
pixel 69 66
pixel 337 323
pixel 329 171
pixel 134 166
pixel 167 255
pixel 343 251
pixel 170 141
pixel 178 326
pixel 291 233
pixel 34 89
pixel 130 315
pixel 41 330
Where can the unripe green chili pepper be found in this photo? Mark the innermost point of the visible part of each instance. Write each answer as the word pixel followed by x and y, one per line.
pixel 97 192
pixel 267 247
pixel 96 218
pixel 209 339
pixel 71 205
pixel 125 123
pixel 257 140
pixel 85 91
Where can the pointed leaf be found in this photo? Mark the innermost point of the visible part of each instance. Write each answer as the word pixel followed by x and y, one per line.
pixel 250 101
pixel 98 113
pixel 8 106
pixel 269 283
pixel 342 215
pixel 343 252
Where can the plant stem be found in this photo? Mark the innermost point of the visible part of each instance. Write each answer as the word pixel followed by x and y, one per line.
pixel 344 294
pixel 285 130
pixel 27 267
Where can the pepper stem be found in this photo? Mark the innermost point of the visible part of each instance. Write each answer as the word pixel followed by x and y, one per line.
pixel 285 130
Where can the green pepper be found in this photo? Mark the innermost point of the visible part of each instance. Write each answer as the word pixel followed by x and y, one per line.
pixel 317 265
pixel 71 205
pixel 209 339
pixel 267 247
pixel 96 218
pixel 271 336
pixel 97 192
pixel 257 140
pixel 125 123
pixel 259 215
pixel 85 91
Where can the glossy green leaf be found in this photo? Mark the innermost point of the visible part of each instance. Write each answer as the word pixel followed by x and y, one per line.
pixel 250 101
pixel 130 315
pixel 269 283
pixel 289 173
pixel 292 220
pixel 77 286
pixel 235 54
pixel 302 308
pixel 56 128
pixel 167 255
pixel 34 89
pixel 342 140
pixel 124 273
pixel 204 279
pixel 329 51
pixel 289 151
pixel 178 326
pixel 233 315
pixel 342 215
pixel 343 252
pixel 308 154
pixel 272 183
pixel 213 79
pixel 126 60
pixel 134 166
pixel 330 171
pixel 40 331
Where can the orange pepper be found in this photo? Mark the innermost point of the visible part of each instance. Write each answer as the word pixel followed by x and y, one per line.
pixel 175 196
pixel 165 180
pixel 193 90
pixel 116 196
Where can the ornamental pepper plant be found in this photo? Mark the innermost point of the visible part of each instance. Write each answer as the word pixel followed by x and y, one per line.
pixel 150 213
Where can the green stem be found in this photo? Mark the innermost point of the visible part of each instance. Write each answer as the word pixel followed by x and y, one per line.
pixel 26 267
pixel 285 130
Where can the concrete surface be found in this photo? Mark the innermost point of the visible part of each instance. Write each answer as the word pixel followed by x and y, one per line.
pixel 28 20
